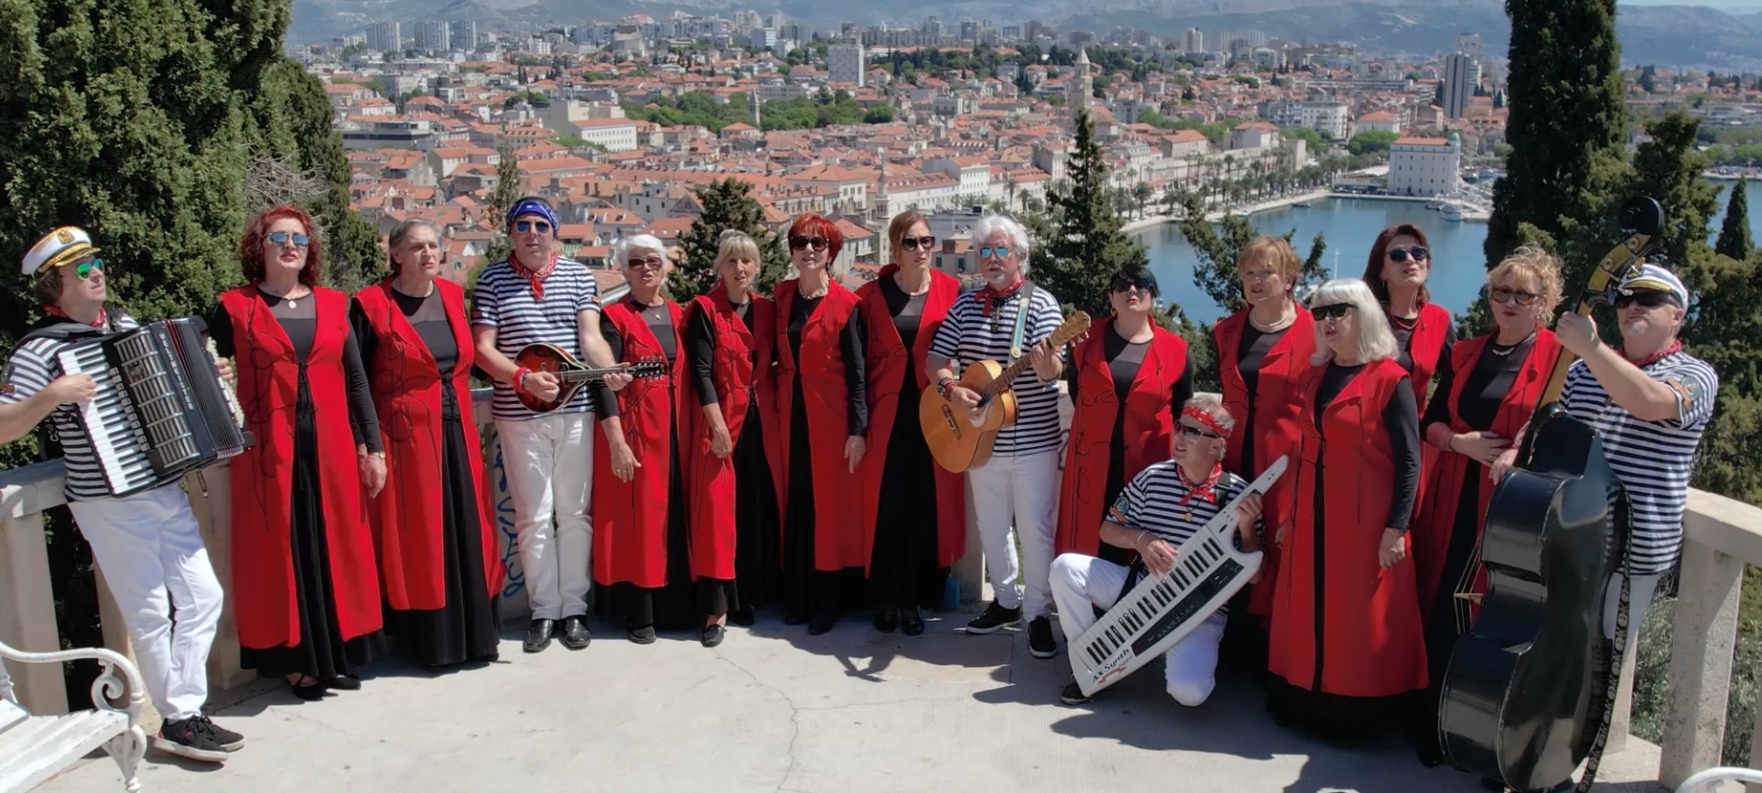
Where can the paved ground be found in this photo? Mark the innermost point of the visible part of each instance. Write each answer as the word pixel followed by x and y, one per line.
pixel 774 709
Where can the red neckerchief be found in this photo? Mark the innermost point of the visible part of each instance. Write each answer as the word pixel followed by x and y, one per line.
pixel 1206 490
pixel 1674 347
pixel 992 299
pixel 55 311
pixel 536 277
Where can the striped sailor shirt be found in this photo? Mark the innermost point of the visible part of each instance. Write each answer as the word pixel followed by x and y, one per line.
pixel 503 300
pixel 1159 500
pixel 31 369
pixel 968 336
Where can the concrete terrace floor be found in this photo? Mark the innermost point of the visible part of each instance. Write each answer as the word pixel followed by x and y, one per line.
pixel 774 709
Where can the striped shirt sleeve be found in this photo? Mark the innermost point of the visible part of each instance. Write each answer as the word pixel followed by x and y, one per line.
pixel 948 337
pixel 28 372
pixel 1694 387
pixel 486 300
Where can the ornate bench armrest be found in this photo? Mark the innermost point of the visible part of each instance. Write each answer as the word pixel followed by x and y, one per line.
pixel 107 687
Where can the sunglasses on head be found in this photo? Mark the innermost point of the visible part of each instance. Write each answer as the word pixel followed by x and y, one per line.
pixel 1331 311
pixel 1502 294
pixel 918 243
pixel 527 226
pixel 282 238
pixel 1645 299
pixel 1126 282
pixel 1401 254
pixel 84 269
pixel 994 252
pixel 797 242
pixel 1195 432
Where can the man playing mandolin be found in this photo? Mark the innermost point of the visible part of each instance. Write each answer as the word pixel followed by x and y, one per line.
pixel 1019 483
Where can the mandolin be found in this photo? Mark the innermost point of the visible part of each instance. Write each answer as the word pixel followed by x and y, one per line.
pixel 1529 688
pixel 572 374
pixel 960 439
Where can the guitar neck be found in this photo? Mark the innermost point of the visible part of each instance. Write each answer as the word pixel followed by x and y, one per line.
pixel 1003 381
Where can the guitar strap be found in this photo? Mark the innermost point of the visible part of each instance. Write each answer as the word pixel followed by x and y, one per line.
pixel 1015 339
pixel 1612 680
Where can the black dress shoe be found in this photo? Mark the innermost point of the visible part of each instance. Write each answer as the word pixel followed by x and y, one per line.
pixel 343 683
pixel 642 635
pixel 822 622
pixel 575 633
pixel 713 635
pixel 887 619
pixel 311 692
pixel 538 635
pixel 911 623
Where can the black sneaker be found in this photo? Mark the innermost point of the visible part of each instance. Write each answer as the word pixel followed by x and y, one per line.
pixel 1073 694
pixel 994 618
pixel 189 739
pixel 228 740
pixel 1040 641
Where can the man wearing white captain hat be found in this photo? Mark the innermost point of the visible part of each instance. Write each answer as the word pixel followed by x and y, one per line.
pixel 146 543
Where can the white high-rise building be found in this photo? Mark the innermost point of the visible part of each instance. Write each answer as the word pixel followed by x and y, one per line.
pixel 385 37
pixel 844 64
pixel 435 37
pixel 1462 75
pixel 1193 40
pixel 464 34
pixel 1469 44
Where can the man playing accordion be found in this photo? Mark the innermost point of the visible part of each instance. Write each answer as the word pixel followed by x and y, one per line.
pixel 1160 508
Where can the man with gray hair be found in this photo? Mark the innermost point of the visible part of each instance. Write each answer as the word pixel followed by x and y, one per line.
pixel 1019 484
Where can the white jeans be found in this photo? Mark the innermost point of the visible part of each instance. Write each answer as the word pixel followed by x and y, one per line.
pixel 1025 489
pixel 1189 667
pixel 150 550
pixel 1639 598
pixel 549 461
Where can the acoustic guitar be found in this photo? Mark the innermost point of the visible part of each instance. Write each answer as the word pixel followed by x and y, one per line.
pixel 959 438
pixel 572 374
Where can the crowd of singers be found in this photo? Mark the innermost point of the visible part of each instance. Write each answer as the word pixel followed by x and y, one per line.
pixel 778 460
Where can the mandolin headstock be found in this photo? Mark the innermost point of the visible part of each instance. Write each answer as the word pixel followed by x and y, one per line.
pixel 647 368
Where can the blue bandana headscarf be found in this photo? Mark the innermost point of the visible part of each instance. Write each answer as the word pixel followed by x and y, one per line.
pixel 533 206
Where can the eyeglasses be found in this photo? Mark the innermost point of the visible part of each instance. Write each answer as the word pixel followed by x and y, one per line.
pixel 1399 255
pixel 1645 299
pixel 84 269
pixel 1331 311
pixel 650 262
pixel 528 226
pixel 1125 283
pixel 282 238
pixel 1195 432
pixel 998 252
pixel 918 243
pixel 1504 295
pixel 797 243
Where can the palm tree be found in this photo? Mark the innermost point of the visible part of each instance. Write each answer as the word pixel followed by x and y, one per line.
pixel 1141 193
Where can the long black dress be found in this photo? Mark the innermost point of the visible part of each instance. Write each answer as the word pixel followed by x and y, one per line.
pixel 467 627
pixel 758 546
pixel 322 652
pixel 674 606
pixel 904 567
pixel 805 589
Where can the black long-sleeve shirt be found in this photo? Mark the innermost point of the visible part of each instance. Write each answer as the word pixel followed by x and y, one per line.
pixel 1124 358
pixel 1400 420
pixel 299 320
pixel 1486 387
pixel 700 350
pixel 659 318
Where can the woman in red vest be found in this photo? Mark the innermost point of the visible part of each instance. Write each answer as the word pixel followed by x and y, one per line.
pixel 735 517
pixel 1346 642
pixel 916 512
pixel 439 556
pixel 822 372
pixel 1263 356
pixel 1400 262
pixel 1127 381
pixel 305 585
pixel 1487 389
pixel 641 506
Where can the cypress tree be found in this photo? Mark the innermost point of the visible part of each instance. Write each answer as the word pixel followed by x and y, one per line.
pixel 1734 236
pixel 727 204
pixel 502 199
pixel 1077 264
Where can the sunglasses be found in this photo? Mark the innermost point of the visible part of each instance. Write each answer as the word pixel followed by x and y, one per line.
pixel 1520 297
pixel 1418 253
pixel 1645 299
pixel 1332 311
pixel 998 252
pixel 84 269
pixel 1125 284
pixel 1195 432
pixel 650 262
pixel 528 226
pixel 797 243
pixel 918 243
pixel 282 238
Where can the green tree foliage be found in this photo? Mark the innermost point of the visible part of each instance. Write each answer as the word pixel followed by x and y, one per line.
pixel 1086 246
pixel 1217 245
pixel 508 191
pixel 1734 236
pixel 699 108
pixel 727 204
pixel 1371 141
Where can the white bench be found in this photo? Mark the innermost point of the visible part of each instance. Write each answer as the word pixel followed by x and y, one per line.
pixel 34 748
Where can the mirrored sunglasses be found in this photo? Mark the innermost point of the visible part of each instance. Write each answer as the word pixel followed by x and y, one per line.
pixel 282 238
pixel 84 269
pixel 998 252
pixel 529 226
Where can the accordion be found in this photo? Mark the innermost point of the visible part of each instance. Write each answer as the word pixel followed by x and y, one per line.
pixel 161 409
pixel 1161 611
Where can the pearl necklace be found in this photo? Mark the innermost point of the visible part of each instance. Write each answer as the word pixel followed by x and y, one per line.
pixel 1283 323
pixel 805 295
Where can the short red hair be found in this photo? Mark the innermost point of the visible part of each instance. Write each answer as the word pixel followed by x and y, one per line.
pixel 809 224
pixel 257 232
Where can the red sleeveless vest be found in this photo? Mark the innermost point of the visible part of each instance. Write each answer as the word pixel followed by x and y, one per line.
pixel 740 377
pixel 840 540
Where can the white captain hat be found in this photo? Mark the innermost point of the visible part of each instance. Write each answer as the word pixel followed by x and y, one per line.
pixel 62 246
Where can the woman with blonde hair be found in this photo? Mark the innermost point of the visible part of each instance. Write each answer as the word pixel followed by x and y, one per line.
pixel 730 341
pixel 1345 641
pixel 1487 388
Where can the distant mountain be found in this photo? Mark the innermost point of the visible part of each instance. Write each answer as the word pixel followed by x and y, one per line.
pixel 1684 36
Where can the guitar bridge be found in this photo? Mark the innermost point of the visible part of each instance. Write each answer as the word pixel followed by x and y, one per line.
pixel 948 417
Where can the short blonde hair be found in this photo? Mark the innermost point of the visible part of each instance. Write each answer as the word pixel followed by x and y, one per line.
pixel 1375 340
pixel 1275 251
pixel 1213 405
pixel 1542 268
pixel 736 244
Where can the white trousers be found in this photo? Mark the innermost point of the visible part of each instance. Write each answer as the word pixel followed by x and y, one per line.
pixel 549 462
pixel 150 550
pixel 1189 667
pixel 1639 598
pixel 1023 490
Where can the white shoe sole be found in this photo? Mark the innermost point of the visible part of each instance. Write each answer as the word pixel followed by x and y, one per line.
pixel 188 752
pixel 1053 653
pixel 993 629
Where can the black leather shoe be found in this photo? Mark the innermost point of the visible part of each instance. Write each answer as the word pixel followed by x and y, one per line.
pixel 538 635
pixel 822 622
pixel 713 635
pixel 575 633
pixel 343 683
pixel 642 635
pixel 911 623
pixel 887 619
